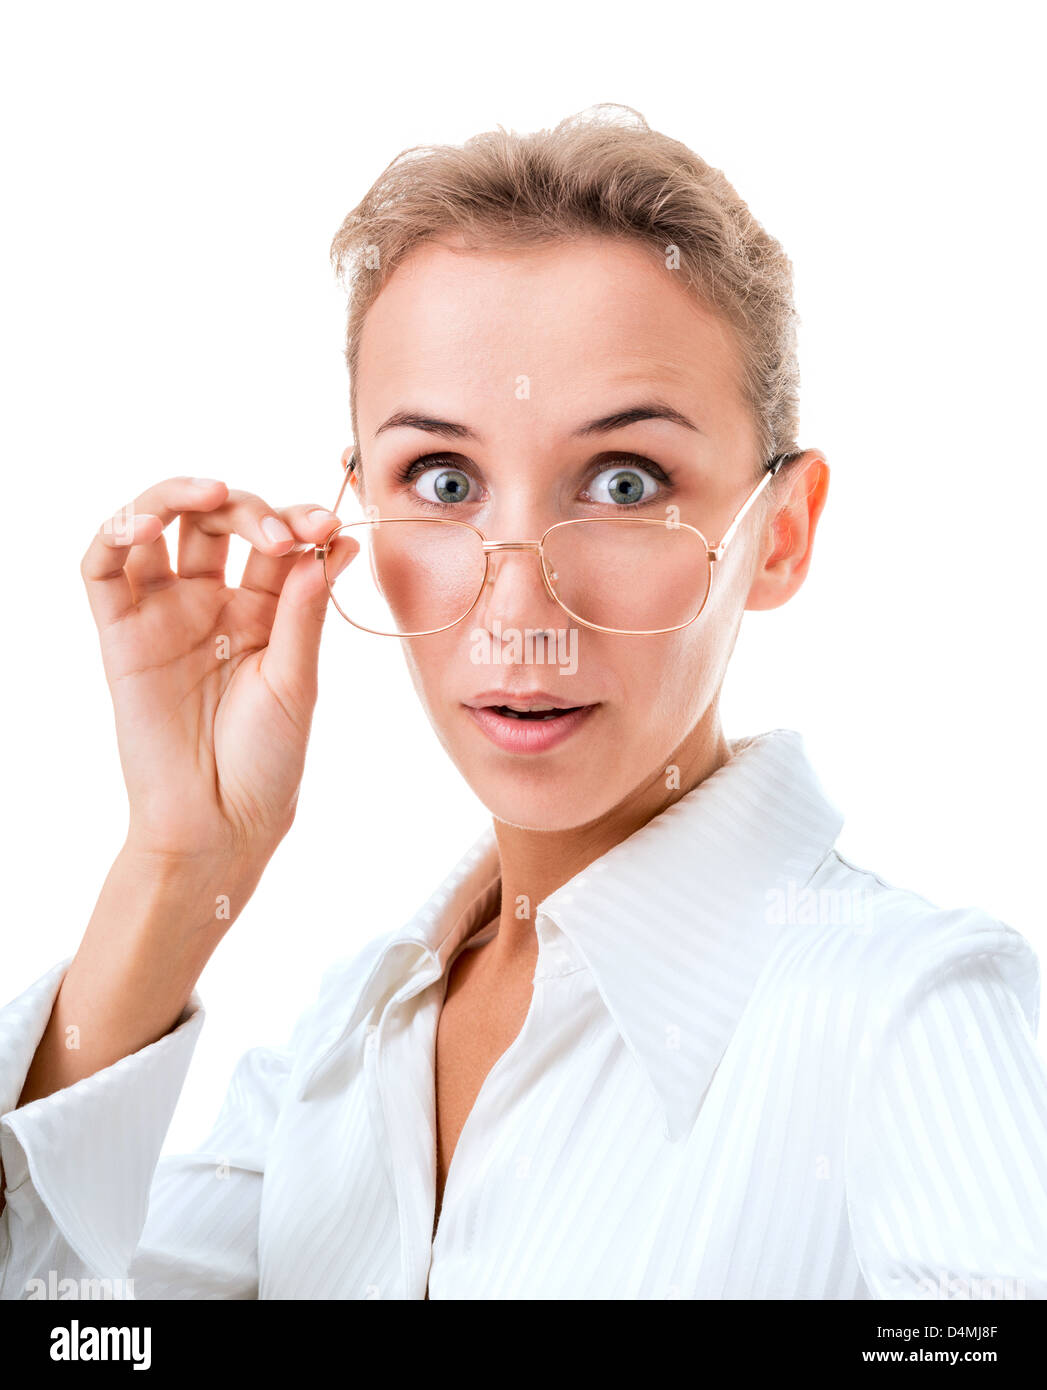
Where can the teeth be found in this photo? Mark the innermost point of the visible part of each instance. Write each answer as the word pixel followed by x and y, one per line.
pixel 539 711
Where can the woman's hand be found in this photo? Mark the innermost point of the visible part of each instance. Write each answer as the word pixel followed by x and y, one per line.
pixel 213 687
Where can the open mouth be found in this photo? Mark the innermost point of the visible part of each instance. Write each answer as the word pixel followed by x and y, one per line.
pixel 508 712
pixel 531 723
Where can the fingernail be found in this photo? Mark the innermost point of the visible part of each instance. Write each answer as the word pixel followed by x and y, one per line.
pixel 275 530
pixel 203 482
pixel 321 514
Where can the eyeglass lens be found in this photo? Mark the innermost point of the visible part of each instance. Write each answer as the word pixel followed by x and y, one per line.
pixel 414 577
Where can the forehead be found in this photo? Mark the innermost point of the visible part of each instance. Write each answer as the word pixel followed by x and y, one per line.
pixel 575 319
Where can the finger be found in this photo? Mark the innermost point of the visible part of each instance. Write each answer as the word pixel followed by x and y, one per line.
pixel 148 565
pixel 200 554
pixel 291 657
pixel 309 522
pixel 203 540
pixel 109 591
pixel 217 512
pixel 247 515
pixel 204 545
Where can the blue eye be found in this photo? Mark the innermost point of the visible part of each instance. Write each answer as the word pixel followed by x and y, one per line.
pixel 624 485
pixel 447 485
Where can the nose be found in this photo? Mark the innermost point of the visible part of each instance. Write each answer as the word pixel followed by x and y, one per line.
pixel 515 592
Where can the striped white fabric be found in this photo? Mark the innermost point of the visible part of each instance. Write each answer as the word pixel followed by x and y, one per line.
pixel 749 1070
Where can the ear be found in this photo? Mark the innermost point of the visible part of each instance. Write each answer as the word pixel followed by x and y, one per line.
pixel 354 477
pixel 787 538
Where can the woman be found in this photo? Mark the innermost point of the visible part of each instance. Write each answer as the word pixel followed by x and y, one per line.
pixel 652 1037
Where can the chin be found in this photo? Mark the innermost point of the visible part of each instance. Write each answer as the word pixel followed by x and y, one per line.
pixel 554 806
pixel 558 788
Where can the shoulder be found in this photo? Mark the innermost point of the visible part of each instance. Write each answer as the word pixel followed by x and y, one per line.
pixel 848 931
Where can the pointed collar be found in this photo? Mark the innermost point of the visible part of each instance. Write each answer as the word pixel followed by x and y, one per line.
pixel 674 923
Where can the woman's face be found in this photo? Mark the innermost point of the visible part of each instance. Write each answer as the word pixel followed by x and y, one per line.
pixel 518 351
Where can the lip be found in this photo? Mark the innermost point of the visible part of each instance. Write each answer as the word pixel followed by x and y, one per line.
pixel 520 697
pixel 520 735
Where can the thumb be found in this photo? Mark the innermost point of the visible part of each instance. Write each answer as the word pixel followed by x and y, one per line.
pixel 292 655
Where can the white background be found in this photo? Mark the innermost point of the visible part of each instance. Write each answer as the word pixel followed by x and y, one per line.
pixel 173 176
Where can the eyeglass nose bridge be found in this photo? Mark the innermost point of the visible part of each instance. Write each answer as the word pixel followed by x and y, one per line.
pixel 492 547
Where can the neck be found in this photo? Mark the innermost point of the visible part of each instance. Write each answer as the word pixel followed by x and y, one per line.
pixel 534 863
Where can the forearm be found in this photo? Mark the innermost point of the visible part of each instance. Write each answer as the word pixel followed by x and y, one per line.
pixel 153 930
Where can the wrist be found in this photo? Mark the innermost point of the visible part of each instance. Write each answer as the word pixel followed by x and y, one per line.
pixel 184 867
pixel 175 904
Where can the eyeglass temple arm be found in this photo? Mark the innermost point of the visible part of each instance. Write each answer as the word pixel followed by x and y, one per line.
pixel 349 466
pixel 772 468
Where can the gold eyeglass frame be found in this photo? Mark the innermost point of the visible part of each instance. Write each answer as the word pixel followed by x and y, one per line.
pixel 713 553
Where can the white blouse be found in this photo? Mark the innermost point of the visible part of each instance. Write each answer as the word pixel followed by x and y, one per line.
pixel 749 1070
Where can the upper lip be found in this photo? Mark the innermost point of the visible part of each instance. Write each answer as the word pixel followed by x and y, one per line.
pixel 522 700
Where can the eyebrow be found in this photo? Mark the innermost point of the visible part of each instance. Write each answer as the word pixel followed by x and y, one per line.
pixel 603 424
pixel 646 410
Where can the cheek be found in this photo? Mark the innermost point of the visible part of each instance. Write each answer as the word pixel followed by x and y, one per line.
pixel 444 671
pixel 427 662
pixel 668 681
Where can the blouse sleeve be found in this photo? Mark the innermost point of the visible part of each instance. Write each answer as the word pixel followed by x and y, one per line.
pixel 87 1197
pixel 946 1147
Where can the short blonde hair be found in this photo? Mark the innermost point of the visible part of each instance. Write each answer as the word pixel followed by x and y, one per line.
pixel 601 170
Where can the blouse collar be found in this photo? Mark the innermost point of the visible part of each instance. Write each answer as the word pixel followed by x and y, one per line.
pixel 674 923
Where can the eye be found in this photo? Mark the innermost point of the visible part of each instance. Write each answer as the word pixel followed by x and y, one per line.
pixel 443 484
pixel 624 485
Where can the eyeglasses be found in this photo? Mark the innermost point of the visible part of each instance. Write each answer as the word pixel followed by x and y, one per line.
pixel 634 576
